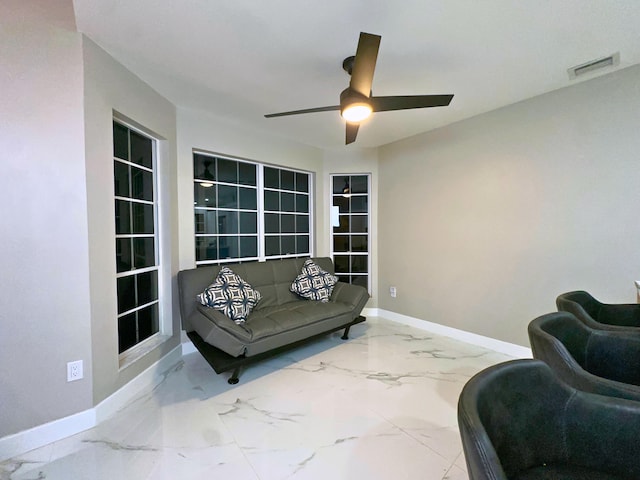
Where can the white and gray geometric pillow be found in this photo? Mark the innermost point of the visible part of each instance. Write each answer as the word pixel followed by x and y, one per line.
pixel 231 295
pixel 314 283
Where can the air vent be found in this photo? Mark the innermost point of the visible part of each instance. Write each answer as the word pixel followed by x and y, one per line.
pixel 579 70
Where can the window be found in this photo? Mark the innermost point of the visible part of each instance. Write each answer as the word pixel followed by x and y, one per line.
pixel 350 239
pixel 226 209
pixel 248 211
pixel 286 212
pixel 136 236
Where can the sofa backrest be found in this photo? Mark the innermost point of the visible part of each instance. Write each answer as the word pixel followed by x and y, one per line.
pixel 271 278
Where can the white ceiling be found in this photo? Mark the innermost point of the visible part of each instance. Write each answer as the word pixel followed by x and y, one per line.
pixel 241 59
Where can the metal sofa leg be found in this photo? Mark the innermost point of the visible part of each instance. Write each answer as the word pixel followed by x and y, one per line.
pixel 345 336
pixel 233 379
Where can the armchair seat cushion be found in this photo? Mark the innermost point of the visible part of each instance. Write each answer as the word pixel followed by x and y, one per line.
pixel 564 472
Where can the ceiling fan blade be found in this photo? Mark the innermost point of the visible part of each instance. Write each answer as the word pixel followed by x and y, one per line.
pixel 352 132
pixel 405 102
pixel 306 110
pixel 364 63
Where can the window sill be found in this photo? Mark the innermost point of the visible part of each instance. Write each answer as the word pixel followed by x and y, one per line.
pixel 131 356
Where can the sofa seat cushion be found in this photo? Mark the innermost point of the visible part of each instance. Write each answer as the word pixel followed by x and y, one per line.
pixel 273 320
pixel 269 327
pixel 270 321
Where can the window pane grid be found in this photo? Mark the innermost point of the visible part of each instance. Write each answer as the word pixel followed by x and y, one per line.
pixel 131 164
pixel 246 210
pixel 135 235
pixel 225 208
pixel 287 219
pixel 135 200
pixel 227 184
pixel 138 308
pixel 350 239
pixel 136 239
pixel 136 271
pixel 215 209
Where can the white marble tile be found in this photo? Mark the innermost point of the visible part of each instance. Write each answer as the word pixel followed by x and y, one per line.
pixel 381 405
pixel 456 473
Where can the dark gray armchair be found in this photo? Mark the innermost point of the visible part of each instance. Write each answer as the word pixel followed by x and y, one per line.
pixel 598 361
pixel 605 316
pixel 518 421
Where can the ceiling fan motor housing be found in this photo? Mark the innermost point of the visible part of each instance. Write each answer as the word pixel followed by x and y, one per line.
pixel 351 98
pixel 347 64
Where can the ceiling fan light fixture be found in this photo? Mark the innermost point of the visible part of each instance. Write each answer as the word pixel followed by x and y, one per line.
pixel 356 112
pixel 346 190
pixel 354 107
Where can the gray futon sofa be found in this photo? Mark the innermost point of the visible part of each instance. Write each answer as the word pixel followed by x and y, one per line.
pixel 280 320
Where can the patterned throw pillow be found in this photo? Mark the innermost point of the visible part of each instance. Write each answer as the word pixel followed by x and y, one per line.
pixel 314 283
pixel 231 295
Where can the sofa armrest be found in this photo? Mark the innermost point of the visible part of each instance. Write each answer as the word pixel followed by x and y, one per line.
pixel 353 295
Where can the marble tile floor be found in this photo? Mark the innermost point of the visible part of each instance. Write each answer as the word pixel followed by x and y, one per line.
pixel 381 405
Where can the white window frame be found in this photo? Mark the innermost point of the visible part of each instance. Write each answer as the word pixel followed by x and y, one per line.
pixel 164 330
pixel 368 214
pixel 260 189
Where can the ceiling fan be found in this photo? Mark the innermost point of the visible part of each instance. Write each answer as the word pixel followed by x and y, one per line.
pixel 357 101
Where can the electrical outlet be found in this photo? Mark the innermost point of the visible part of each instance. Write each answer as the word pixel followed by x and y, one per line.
pixel 392 292
pixel 74 371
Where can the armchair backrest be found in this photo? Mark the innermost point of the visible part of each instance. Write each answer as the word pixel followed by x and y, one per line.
pixel 592 312
pixel 507 415
pixel 568 332
pixel 597 361
pixel 579 303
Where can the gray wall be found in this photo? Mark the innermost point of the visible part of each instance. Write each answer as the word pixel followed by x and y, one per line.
pixel 44 286
pixel 59 94
pixel 109 88
pixel 483 223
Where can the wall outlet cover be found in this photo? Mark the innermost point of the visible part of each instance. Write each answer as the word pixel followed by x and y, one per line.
pixel 74 371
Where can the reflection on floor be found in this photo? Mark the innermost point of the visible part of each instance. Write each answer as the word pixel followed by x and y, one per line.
pixel 381 405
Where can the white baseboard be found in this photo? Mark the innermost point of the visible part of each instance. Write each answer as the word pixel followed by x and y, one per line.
pixel 36 437
pixel 27 440
pixel 188 347
pixel 152 376
pixel 507 348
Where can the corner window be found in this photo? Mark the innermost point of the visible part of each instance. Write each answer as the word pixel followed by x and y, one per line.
pixel 136 236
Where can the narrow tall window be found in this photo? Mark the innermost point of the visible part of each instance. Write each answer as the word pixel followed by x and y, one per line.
pixel 350 239
pixel 249 211
pixel 136 236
